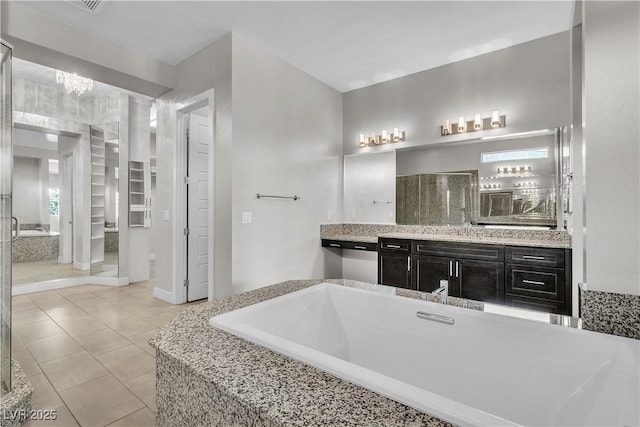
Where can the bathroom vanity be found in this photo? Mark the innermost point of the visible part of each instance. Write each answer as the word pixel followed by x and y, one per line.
pixel 520 268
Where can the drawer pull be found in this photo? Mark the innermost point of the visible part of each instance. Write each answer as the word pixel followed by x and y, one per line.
pixel 392 246
pixel 533 282
pixel 359 247
pixel 539 258
pixel 335 245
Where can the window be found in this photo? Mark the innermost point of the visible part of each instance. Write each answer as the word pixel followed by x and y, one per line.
pixel 526 154
pixel 54 202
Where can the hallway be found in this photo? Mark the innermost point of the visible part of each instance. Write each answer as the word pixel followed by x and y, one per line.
pixel 85 352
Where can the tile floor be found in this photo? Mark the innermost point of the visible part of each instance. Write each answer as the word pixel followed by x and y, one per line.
pixel 40 271
pixel 85 352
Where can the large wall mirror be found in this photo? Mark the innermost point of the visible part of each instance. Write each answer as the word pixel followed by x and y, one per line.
pixel 514 180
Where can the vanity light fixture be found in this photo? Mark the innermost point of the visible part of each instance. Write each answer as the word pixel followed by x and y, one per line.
pixel 384 138
pixel 476 125
pixel 514 169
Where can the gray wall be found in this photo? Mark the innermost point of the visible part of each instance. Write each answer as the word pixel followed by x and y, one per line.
pixel 27 190
pixel 287 129
pixel 282 144
pixel 611 136
pixel 528 82
pixel 207 69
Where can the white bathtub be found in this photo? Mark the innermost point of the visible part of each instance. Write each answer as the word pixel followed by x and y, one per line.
pixel 485 369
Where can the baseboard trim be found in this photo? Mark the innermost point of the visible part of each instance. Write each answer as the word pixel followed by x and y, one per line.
pixel 81 266
pixel 165 296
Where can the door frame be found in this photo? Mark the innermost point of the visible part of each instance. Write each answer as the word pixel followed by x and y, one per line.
pixel 180 265
pixel 66 180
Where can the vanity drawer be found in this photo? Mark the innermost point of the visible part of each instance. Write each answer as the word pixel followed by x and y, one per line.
pixel 459 250
pixel 343 244
pixel 545 257
pixel 394 245
pixel 537 304
pixel 537 282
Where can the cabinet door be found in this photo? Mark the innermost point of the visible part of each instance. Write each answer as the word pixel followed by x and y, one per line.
pixel 479 280
pixel 394 270
pixel 429 270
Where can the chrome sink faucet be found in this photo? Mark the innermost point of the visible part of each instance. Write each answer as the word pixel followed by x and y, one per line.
pixel 442 291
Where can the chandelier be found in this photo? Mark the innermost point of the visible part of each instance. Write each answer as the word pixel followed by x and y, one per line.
pixel 74 83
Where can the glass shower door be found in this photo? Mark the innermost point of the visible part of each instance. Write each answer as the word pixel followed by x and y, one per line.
pixel 6 166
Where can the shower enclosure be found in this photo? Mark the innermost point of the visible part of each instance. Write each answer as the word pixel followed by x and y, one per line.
pixel 6 165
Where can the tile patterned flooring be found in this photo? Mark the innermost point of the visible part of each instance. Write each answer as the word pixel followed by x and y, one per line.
pixel 85 352
pixel 40 271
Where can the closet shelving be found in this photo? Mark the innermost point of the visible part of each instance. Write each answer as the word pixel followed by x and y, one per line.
pixel 97 196
pixel 139 194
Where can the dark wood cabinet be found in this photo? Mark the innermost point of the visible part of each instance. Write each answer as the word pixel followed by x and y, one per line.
pixel 428 271
pixel 525 277
pixel 394 270
pixel 478 280
pixel 348 244
pixel 394 263
pixel 471 279
pixel 538 278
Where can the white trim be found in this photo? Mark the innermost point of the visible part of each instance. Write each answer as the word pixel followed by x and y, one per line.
pixel 179 294
pixel 68 282
pixel 84 266
pixel 164 295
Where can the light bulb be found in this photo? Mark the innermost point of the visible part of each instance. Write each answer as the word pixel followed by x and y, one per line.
pixel 477 123
pixel 461 125
pixel 495 119
pixel 446 128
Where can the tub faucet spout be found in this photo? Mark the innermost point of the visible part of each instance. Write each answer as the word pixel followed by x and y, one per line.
pixel 442 291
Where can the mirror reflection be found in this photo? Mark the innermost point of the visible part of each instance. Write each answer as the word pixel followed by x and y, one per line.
pixel 43 177
pixel 511 181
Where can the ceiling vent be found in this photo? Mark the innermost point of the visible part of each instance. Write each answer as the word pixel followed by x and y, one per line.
pixel 91 6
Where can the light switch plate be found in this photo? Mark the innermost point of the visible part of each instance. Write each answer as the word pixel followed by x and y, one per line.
pixel 165 215
pixel 247 217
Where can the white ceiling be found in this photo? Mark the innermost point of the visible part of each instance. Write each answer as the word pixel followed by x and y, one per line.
pixel 346 44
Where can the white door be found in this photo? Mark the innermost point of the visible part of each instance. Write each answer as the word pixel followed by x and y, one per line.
pixel 66 210
pixel 199 141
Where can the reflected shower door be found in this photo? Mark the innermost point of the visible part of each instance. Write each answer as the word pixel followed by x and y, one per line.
pixel 6 167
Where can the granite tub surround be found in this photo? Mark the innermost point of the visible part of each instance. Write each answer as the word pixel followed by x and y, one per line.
pixel 35 248
pixel 209 377
pixel 16 405
pixel 513 237
pixel 611 313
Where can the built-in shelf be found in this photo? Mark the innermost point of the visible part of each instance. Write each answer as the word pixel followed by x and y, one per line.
pixel 139 194
pixel 97 194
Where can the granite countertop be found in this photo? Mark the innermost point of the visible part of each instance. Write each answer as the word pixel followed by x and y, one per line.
pixel 286 392
pixel 370 233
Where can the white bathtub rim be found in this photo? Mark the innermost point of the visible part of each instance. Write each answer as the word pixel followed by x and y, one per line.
pixel 439 406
